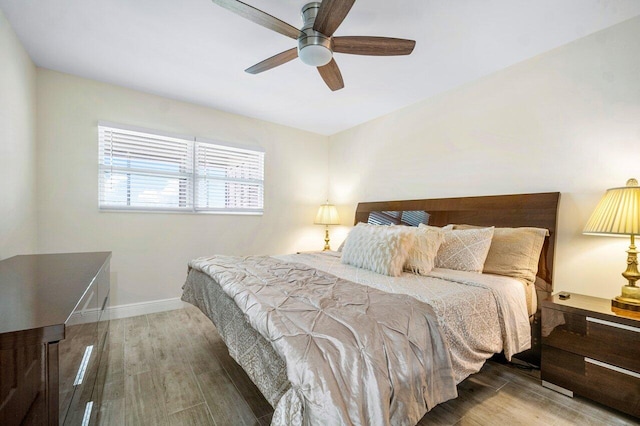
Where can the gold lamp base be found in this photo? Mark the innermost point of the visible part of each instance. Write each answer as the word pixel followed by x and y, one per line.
pixel 626 304
pixel 327 247
pixel 629 300
pixel 625 309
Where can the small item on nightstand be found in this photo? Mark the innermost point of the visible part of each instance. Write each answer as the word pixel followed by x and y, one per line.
pixel 563 295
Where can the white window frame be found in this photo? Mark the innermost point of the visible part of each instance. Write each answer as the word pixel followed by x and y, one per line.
pixel 255 183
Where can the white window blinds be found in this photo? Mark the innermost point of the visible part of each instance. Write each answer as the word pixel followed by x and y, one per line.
pixel 141 170
pixel 144 171
pixel 230 179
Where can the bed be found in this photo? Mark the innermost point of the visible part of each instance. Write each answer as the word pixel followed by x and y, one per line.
pixel 282 338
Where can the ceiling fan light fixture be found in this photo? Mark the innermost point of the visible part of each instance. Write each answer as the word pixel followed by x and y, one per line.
pixel 314 48
pixel 315 55
pixel 316 43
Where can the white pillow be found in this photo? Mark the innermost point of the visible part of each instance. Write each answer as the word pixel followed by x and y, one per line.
pixel 422 256
pixel 465 250
pixel 378 248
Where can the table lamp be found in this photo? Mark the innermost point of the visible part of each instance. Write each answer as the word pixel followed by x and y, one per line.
pixel 327 215
pixel 618 213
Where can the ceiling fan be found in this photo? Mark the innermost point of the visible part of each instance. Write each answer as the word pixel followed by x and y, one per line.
pixel 316 44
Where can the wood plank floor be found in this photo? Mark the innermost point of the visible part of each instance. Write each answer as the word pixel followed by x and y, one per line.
pixel 172 368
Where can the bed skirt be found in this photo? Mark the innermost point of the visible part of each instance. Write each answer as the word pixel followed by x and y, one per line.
pixel 246 346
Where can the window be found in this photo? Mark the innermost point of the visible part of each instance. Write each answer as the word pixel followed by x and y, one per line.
pixel 142 170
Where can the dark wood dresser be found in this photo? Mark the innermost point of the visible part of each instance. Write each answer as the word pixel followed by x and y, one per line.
pixel 592 351
pixel 53 325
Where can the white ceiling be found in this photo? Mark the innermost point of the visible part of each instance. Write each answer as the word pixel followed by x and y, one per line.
pixel 196 51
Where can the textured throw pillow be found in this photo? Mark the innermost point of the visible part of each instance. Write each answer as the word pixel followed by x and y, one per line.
pixel 422 256
pixel 464 250
pixel 378 248
pixel 514 252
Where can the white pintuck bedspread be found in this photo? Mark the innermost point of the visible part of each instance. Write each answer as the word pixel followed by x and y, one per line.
pixel 479 314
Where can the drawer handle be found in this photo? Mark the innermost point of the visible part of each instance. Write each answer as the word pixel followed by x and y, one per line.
pixel 83 365
pixel 87 413
pixel 612 367
pixel 613 324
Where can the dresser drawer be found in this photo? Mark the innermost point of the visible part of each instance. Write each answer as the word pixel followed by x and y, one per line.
pixel 602 340
pixel 602 382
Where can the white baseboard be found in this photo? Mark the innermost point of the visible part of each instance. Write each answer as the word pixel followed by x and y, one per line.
pixel 143 308
pixel 125 311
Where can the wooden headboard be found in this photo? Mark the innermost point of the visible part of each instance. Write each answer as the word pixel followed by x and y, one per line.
pixel 537 210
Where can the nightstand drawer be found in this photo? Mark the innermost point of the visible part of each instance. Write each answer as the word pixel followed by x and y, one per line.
pixel 602 340
pixel 602 382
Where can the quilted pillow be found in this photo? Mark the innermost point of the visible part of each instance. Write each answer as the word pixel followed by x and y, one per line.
pixel 514 252
pixel 464 250
pixel 381 249
pixel 422 256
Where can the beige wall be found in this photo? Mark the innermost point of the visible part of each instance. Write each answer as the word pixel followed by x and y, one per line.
pixel 151 250
pixel 567 120
pixel 17 146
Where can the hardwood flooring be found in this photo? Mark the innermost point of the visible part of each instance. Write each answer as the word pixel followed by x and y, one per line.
pixel 172 368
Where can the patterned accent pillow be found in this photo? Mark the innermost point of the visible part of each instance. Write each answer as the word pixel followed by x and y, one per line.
pixel 378 248
pixel 514 252
pixel 422 256
pixel 465 250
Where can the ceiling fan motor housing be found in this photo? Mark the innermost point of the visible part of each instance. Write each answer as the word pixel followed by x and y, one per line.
pixel 314 48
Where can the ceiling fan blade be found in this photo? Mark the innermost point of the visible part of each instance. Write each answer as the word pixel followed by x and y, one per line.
pixel 259 17
pixel 374 46
pixel 331 75
pixel 274 61
pixel 331 15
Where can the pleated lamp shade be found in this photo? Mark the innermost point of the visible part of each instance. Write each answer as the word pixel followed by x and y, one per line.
pixel 327 215
pixel 618 212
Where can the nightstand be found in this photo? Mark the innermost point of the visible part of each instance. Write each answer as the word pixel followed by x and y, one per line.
pixel 589 350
